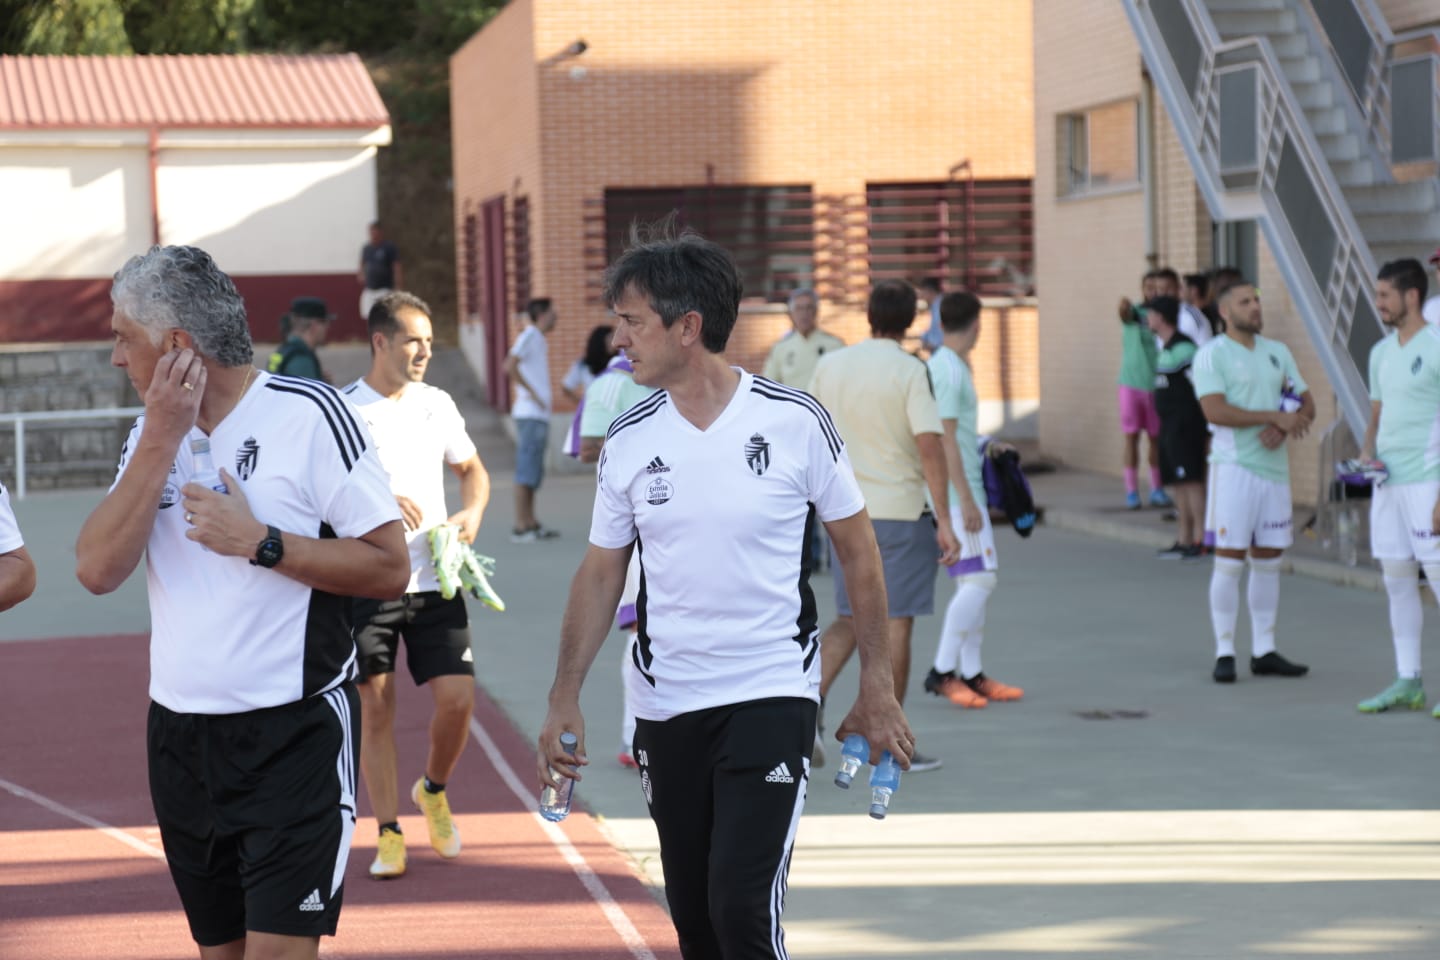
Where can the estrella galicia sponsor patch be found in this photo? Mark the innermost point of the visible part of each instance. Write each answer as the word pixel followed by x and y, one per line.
pixel 169 496
pixel 659 491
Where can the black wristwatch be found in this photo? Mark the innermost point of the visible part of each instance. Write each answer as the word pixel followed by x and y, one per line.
pixel 271 549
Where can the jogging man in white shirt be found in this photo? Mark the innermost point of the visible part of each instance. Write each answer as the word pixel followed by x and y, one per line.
pixel 17 570
pixel 1252 394
pixel 1404 434
pixel 716 481
pixel 528 367
pixel 416 429
pixel 252 728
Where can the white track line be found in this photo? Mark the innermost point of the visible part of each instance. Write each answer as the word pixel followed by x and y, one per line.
pixel 64 811
pixel 588 878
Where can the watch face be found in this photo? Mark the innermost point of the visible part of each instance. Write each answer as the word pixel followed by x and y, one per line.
pixel 271 549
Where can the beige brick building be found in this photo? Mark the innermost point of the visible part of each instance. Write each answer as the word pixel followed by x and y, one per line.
pixel 1094 239
pixel 828 142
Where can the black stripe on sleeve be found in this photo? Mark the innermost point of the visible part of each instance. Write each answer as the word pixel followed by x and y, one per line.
pixel 642 410
pixel 348 437
pixel 800 397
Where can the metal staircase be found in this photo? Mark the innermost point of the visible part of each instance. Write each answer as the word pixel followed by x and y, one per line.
pixel 1284 109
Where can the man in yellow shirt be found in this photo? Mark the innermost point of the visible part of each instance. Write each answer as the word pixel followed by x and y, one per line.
pixel 882 404
pixel 792 360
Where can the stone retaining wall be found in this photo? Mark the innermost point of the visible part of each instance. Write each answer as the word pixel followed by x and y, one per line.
pixel 80 453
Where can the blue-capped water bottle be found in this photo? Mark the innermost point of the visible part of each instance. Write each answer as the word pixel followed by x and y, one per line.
pixel 884 781
pixel 205 473
pixel 555 802
pixel 853 756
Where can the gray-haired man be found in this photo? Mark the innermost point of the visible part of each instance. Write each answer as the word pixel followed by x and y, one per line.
pixel 792 360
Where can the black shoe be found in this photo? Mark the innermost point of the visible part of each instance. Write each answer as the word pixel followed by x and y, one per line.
pixel 935 681
pixel 1224 670
pixel 1195 551
pixel 1274 665
pixel 1175 551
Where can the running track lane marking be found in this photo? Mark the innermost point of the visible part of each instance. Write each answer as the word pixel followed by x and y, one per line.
pixel 64 811
pixel 588 878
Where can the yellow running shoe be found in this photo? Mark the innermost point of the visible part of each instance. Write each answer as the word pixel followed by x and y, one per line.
pixel 389 856
pixel 444 835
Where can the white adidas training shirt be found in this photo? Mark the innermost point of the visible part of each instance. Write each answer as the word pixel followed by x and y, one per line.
pixel 228 636
pixel 10 538
pixel 413 435
pixel 722 520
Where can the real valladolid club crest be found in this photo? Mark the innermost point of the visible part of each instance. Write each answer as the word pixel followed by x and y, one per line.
pixel 247 458
pixel 757 454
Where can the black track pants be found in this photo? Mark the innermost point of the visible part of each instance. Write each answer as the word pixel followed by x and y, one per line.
pixel 725 788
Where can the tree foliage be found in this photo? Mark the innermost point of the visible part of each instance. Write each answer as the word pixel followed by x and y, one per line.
pixel 433 27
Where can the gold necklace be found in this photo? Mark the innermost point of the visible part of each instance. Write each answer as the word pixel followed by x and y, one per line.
pixel 243 384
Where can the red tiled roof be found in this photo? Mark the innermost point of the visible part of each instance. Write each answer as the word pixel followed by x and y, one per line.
pixel 262 90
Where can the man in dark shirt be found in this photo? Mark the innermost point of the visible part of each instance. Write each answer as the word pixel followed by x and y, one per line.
pixel 380 270
pixel 1184 433
pixel 309 323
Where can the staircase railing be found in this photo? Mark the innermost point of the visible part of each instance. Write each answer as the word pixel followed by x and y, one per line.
pixel 1394 79
pixel 1255 157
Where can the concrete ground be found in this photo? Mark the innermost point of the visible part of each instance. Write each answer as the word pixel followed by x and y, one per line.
pixel 1126 807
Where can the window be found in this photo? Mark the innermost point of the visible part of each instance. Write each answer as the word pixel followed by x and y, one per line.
pixel 520 249
pixel 770 231
pixel 974 235
pixel 1098 149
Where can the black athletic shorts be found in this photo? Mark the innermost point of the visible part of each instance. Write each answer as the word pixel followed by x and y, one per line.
pixel 1183 451
pixel 256 811
pixel 436 633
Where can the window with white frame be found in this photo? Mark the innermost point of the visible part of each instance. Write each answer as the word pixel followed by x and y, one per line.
pixel 1098 149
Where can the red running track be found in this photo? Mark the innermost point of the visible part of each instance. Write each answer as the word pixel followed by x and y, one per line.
pixel 81 873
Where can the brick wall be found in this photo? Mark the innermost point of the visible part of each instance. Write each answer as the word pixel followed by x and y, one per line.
pixel 819 92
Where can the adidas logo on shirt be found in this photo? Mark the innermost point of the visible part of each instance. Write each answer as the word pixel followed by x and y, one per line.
pixel 312 903
pixel 781 774
pixel 656 466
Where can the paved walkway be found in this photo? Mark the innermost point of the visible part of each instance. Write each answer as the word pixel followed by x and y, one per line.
pixel 1128 807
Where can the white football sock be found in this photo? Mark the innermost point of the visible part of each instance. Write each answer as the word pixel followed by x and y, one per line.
pixel 1225 603
pixel 627 717
pixel 1402 586
pixel 965 611
pixel 981 585
pixel 1263 598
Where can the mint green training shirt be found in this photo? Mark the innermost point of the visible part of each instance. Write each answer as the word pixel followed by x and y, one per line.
pixel 955 396
pixel 1405 381
pixel 1251 380
pixel 1137 354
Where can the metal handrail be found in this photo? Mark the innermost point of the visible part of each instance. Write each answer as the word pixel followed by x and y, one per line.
pixel 1374 100
pixel 1327 305
pixel 32 416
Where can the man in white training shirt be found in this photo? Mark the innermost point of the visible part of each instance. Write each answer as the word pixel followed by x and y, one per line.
pixel 17 570
pixel 716 480
pixel 1253 396
pixel 252 729
pixel 528 367
pixel 416 428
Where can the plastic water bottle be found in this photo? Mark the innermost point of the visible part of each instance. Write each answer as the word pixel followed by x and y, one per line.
pixel 555 802
pixel 853 755
pixel 884 781
pixel 205 473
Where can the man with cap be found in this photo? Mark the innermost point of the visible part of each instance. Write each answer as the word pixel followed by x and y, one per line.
pixel 1431 310
pixel 296 357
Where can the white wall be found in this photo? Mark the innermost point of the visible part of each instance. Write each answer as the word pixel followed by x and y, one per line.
pixel 72 212
pixel 271 210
